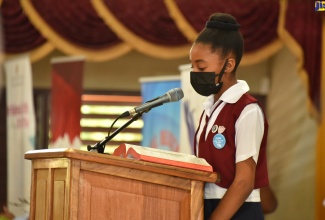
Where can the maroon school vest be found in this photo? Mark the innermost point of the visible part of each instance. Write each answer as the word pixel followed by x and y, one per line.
pixel 222 157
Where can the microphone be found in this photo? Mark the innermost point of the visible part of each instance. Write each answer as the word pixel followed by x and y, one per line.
pixel 172 95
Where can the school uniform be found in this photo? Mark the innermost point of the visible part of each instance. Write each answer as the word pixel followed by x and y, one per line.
pixel 231 130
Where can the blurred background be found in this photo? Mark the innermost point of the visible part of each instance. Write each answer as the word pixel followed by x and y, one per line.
pixel 70 68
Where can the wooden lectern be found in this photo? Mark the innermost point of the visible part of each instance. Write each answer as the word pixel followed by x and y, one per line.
pixel 76 185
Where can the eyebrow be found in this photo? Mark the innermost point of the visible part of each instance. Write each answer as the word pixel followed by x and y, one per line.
pixel 198 61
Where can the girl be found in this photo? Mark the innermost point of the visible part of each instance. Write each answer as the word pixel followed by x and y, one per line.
pixel 232 132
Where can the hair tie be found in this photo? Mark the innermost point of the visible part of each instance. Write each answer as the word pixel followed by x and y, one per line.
pixel 222 26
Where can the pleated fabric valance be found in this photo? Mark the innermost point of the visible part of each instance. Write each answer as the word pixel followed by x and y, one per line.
pixel 102 30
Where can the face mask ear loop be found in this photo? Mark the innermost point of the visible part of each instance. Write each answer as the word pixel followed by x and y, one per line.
pixel 222 71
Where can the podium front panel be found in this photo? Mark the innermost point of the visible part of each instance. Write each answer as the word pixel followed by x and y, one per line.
pixel 72 185
pixel 111 197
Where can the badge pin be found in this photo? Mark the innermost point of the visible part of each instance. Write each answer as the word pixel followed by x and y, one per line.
pixel 214 128
pixel 219 141
pixel 221 129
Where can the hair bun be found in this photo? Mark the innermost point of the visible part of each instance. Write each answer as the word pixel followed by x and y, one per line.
pixel 222 26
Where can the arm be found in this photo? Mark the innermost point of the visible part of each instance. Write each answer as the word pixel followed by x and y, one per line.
pixel 268 199
pixel 250 122
pixel 238 191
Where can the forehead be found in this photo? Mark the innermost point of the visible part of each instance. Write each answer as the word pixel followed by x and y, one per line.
pixel 202 52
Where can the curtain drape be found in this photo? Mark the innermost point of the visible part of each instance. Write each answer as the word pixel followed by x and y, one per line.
pixel 301 30
pixel 20 36
pixel 259 19
pixel 103 30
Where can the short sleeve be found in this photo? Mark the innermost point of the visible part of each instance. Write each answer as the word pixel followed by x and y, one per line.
pixel 249 133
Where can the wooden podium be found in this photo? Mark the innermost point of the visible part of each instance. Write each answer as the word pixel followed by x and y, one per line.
pixel 78 185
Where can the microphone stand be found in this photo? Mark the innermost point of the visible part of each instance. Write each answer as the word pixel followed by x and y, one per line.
pixel 100 146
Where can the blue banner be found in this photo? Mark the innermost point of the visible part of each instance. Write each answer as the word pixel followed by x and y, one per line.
pixel 161 124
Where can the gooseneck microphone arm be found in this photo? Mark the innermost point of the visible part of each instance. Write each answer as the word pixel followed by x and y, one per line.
pixel 100 146
pixel 172 95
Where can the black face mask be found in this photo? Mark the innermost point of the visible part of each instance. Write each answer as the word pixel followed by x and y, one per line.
pixel 204 82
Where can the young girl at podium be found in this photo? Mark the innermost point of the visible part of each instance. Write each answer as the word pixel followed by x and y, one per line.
pixel 232 131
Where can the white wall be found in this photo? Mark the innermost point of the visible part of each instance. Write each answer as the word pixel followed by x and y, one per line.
pixel 123 73
pixel 118 74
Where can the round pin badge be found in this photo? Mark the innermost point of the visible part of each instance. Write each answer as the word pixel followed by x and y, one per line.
pixel 214 128
pixel 219 141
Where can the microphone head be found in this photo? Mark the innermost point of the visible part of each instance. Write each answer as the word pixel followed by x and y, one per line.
pixel 175 94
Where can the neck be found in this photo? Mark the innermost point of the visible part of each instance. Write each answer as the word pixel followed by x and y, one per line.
pixel 224 88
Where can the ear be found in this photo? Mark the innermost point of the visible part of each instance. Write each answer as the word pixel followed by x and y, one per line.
pixel 230 65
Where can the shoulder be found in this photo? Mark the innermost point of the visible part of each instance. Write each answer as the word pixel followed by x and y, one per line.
pixel 244 100
pixel 247 98
pixel 249 105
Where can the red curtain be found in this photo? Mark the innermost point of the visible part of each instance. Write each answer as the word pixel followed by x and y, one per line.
pixel 259 19
pixel 79 23
pixel 305 26
pixel 19 34
pixel 149 20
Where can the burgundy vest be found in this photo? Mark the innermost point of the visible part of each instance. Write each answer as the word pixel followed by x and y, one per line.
pixel 223 160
